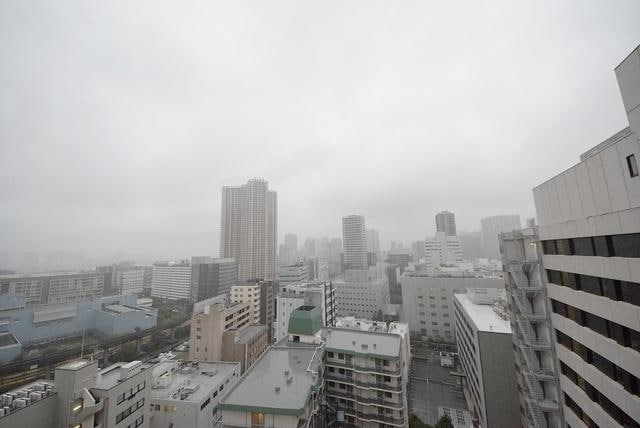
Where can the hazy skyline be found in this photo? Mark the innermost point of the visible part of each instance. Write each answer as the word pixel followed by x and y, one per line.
pixel 120 122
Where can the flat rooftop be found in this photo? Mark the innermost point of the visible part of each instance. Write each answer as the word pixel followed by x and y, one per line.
pixel 207 376
pixel 484 317
pixel 246 334
pixel 110 376
pixel 277 381
pixel 381 345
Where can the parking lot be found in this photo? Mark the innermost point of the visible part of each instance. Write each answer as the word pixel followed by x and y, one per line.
pixel 432 386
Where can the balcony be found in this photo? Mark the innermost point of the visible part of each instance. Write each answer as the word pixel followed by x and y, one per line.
pixel 365 401
pixel 378 368
pixel 362 384
pixel 377 418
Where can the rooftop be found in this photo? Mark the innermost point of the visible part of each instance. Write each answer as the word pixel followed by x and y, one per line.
pixel 484 316
pixel 172 380
pixel 247 333
pixel 112 375
pixel 278 382
pixel 371 343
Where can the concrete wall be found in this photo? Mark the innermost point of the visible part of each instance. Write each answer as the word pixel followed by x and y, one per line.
pixel 37 415
pixel 499 378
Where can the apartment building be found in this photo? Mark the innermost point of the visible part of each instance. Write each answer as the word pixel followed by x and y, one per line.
pixel 172 281
pixel 54 288
pixel 589 228
pixel 186 394
pixel 442 249
pixel 130 281
pixel 248 231
pixel 82 396
pixel 367 373
pixel 483 337
pixel 292 296
pixel 249 294
pixel 537 369
pixel 427 300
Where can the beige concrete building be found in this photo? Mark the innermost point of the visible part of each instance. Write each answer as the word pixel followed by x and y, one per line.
pixel 249 294
pixel 244 345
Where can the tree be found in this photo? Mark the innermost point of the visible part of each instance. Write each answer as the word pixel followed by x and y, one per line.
pixel 416 422
pixel 127 352
pixel 444 422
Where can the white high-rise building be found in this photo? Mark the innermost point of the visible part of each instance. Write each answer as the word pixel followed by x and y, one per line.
pixel 442 249
pixel 589 227
pixel 249 229
pixel 446 222
pixel 354 241
pixel 289 254
pixel 373 241
pixel 171 281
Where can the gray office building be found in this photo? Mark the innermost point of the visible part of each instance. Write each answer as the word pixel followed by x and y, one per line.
pixel 211 277
pixel 494 226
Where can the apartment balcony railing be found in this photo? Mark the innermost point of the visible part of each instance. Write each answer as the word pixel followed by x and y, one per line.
pixel 363 384
pixel 365 400
pixel 378 418
pixel 386 370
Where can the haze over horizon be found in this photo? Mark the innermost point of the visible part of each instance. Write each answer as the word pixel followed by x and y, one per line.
pixel 120 122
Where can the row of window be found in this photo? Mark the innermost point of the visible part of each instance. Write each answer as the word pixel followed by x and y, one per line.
pixel 138 422
pixel 131 393
pixel 623 245
pixel 628 381
pixel 614 289
pixel 625 336
pixel 581 414
pixel 129 410
pixel 597 397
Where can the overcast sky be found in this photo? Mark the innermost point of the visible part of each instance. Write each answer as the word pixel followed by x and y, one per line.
pixel 121 121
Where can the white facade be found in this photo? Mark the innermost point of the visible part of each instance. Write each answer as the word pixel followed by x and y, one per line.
pixel 354 241
pixel 293 273
pixel 293 296
pixel 250 294
pixel 442 249
pixel 589 225
pixel 289 254
pixel 427 301
pixel 248 229
pixel 185 394
pixel 494 226
pixel 130 281
pixel 362 293
pixel 171 281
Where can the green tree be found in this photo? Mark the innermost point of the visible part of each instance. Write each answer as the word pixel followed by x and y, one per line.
pixel 444 422
pixel 128 352
pixel 416 422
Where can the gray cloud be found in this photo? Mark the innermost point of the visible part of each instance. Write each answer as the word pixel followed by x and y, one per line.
pixel 120 122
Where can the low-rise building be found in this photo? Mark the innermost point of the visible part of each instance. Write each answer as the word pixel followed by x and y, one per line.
pixel 442 249
pixel 186 394
pixel 55 287
pixel 82 396
pixel 427 300
pixel 104 317
pixel 244 344
pixel 483 336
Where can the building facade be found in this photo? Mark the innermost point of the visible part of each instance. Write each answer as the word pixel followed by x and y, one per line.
pixel 248 231
pixel 442 250
pixel 292 296
pixel 362 293
pixel 427 301
pixel 589 227
pixel 172 281
pixel 54 288
pixel 211 277
pixel 446 223
pixel 536 364
pixel 483 337
pixel 354 240
pixel 249 294
pixel 291 274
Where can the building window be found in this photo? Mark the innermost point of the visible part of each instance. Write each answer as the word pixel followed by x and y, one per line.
pixel 257 420
pixel 633 166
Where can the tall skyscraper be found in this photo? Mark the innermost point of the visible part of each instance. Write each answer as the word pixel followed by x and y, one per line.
pixel 494 226
pixel 589 227
pixel 373 241
pixel 446 222
pixel 290 255
pixel 249 229
pixel 354 240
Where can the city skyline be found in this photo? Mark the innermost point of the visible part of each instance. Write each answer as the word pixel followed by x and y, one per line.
pixel 158 132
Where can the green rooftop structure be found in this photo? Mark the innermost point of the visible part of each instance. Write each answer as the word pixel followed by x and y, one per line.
pixel 305 321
